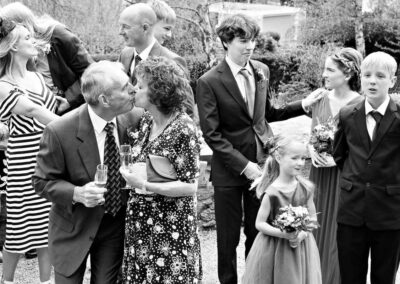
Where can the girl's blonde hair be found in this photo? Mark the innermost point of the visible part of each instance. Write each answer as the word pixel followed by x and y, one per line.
pixel 277 145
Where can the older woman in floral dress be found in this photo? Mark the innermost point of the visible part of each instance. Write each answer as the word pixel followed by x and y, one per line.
pixel 162 245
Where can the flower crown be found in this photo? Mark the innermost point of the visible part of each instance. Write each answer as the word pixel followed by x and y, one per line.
pixel 270 145
pixel 6 27
pixel 350 65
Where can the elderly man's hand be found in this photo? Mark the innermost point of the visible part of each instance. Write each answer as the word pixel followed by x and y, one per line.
pixel 89 195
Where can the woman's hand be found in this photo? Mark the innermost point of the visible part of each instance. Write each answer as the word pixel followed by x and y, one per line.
pixel 318 160
pixel 132 177
pixel 62 104
pixel 3 131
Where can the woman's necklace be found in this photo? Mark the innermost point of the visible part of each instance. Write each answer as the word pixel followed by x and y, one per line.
pixel 155 133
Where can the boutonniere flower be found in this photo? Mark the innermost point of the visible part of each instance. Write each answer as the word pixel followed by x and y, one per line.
pixel 260 75
pixel 44 48
pixel 47 48
pixel 133 134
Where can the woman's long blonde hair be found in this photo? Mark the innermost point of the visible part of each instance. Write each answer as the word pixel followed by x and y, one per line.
pixel 41 27
pixel 6 54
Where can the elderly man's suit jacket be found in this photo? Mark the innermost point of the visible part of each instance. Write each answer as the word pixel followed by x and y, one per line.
pixel 68 157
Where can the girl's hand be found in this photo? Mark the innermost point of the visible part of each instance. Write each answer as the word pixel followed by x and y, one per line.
pixel 300 237
pixel 290 236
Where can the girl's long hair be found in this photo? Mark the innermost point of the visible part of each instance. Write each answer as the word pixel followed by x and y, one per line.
pixel 277 146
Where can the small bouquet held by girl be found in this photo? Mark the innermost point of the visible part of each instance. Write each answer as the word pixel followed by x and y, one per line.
pixel 294 219
pixel 321 140
pixel 284 250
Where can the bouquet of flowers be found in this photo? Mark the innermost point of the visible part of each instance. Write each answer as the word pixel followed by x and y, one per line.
pixel 294 219
pixel 322 139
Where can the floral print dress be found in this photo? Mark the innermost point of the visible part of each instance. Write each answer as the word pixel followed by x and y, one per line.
pixel 161 240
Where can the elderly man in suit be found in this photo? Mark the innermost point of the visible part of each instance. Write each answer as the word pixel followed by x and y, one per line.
pixel 137 28
pixel 70 150
pixel 235 109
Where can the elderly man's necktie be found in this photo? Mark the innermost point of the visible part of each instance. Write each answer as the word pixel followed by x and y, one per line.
pixel 111 158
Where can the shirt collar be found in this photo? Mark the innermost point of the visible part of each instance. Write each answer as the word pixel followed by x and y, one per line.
pixel 235 68
pixel 98 122
pixel 381 109
pixel 145 53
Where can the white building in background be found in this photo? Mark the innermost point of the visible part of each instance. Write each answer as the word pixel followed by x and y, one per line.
pixel 271 18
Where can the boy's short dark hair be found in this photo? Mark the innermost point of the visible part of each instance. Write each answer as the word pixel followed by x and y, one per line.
pixel 239 26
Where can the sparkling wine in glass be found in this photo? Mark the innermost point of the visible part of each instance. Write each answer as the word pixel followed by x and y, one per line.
pixel 125 153
pixel 100 177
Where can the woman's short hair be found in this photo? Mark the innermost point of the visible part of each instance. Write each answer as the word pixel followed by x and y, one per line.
pixel 348 60
pixel 239 26
pixel 168 86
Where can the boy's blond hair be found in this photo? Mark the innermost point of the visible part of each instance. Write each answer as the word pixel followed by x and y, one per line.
pixel 380 58
pixel 163 11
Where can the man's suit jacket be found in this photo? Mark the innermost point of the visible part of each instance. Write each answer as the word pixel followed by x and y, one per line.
pixel 67 60
pixel 128 54
pixel 68 157
pixel 370 177
pixel 227 125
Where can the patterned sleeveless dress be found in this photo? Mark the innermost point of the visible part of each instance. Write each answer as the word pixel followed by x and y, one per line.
pixel 27 213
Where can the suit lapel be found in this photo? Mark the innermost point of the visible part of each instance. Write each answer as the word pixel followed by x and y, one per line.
pixel 88 150
pixel 386 122
pixel 360 124
pixel 228 80
pixel 122 126
pixel 260 95
pixel 127 56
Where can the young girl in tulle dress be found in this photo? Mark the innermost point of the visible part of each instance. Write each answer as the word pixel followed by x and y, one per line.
pixel 277 256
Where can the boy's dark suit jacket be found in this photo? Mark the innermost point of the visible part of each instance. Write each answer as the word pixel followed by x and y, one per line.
pixel 226 123
pixel 68 157
pixel 370 179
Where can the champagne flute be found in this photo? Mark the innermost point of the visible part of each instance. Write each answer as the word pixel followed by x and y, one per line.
pixel 100 177
pixel 125 152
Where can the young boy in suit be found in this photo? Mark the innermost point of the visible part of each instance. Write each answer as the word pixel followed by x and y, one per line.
pixel 367 150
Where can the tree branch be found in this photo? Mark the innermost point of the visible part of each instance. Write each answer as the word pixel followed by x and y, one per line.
pixel 188 9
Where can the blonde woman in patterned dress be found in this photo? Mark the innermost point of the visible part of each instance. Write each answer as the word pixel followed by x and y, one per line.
pixel 161 241
pixel 26 106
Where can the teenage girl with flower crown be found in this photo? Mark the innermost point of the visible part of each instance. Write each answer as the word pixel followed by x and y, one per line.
pixel 280 257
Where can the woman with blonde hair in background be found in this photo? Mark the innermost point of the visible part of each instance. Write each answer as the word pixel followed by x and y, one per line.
pixel 26 106
pixel 61 60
